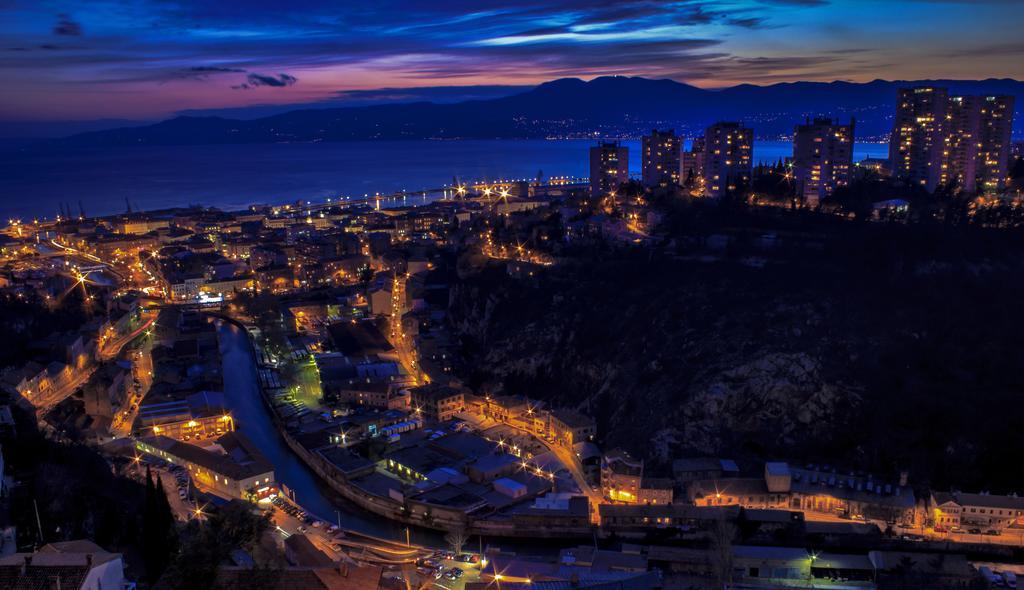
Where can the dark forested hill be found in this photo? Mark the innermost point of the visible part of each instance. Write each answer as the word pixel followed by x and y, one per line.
pixel 883 349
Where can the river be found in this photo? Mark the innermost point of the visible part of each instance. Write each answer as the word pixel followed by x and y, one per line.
pixel 242 395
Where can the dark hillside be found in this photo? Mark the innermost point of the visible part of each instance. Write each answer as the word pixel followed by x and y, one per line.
pixel 889 347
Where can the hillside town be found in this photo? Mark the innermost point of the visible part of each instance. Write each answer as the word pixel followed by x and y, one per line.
pixel 300 361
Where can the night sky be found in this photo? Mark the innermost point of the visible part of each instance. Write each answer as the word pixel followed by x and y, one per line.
pixel 146 59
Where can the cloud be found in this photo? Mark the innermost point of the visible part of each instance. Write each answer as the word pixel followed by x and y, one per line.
pixel 66 26
pixel 213 70
pixel 200 73
pixel 254 80
pixel 751 22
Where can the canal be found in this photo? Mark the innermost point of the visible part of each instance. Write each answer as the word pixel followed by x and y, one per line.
pixel 252 417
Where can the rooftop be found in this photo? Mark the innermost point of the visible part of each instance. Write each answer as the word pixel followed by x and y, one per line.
pixel 240 460
pixel 359 338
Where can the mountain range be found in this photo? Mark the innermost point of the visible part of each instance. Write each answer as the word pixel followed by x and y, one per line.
pixel 568 107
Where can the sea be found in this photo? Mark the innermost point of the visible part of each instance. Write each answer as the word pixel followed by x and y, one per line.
pixel 104 181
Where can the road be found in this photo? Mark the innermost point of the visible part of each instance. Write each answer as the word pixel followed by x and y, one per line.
pixel 142 371
pixel 1008 537
pixel 111 349
pixel 565 456
pixel 398 559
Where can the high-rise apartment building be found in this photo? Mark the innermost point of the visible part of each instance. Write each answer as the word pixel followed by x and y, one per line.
pixel 728 157
pixel 660 165
pixel 962 141
pixel 995 129
pixel 609 167
pixel 918 138
pixel 692 160
pixel 822 158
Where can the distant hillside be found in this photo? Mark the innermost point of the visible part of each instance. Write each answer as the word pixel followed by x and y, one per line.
pixel 608 106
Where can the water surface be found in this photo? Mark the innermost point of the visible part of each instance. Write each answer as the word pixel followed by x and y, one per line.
pixel 34 183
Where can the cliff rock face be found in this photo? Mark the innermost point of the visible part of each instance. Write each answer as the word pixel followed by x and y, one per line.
pixel 653 359
pixel 778 394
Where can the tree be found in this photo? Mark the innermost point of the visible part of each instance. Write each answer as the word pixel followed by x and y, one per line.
pixel 209 543
pixel 456 538
pixel 722 533
pixel 159 536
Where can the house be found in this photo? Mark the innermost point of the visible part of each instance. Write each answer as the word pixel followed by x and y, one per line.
pixel 232 467
pixel 568 427
pixel 937 571
pixel 107 390
pixel 200 416
pixel 620 476
pixel 986 511
pixel 656 490
pixel 71 565
pixel 692 469
pixel 781 567
pixel 438 401
pixel 811 490
pixel 360 339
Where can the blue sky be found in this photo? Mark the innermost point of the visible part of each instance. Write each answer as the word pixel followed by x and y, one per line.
pixel 146 59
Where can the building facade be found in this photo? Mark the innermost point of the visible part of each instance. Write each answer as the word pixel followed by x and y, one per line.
pixel 962 141
pixel 438 402
pixel 232 468
pixel 983 511
pixel 692 160
pixel 621 476
pixel 660 165
pixel 728 158
pixel 977 150
pixel 822 158
pixel 917 143
pixel 609 167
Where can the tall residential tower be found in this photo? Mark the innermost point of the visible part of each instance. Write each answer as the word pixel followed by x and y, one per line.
pixel 822 158
pixel 962 141
pixel 609 167
pixel 728 157
pixel 918 138
pixel 660 166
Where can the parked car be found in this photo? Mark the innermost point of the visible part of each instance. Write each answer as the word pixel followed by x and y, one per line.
pixel 974 531
pixel 993 532
pixel 1011 579
pixel 989 575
